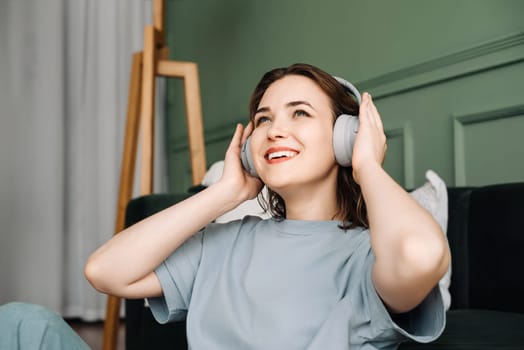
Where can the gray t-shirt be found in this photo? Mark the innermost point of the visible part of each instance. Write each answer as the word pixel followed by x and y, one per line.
pixel 267 284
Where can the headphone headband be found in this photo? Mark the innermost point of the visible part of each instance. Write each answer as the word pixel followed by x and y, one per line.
pixel 350 88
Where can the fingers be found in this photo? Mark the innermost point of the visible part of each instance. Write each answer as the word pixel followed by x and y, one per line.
pixel 241 134
pixel 372 141
pixel 368 111
pixel 247 131
pixel 237 137
pixel 375 113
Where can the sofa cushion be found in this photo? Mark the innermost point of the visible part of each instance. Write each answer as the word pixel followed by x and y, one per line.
pixel 477 330
pixel 496 244
pixel 143 332
pixel 458 207
pixel 144 206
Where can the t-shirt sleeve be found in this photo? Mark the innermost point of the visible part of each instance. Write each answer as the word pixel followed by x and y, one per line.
pixel 423 324
pixel 177 275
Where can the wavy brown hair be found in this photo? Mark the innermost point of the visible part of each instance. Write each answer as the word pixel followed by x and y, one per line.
pixel 351 204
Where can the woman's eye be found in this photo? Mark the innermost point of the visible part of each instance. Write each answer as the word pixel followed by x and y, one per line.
pixel 301 113
pixel 261 120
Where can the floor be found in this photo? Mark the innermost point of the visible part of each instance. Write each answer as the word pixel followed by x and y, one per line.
pixel 93 333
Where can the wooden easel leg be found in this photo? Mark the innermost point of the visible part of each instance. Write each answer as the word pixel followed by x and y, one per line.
pixel 188 72
pixel 195 129
pixel 148 111
pixel 127 171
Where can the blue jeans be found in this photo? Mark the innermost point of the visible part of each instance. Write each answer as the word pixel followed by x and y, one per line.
pixel 27 326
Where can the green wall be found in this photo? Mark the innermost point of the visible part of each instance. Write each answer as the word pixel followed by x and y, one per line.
pixel 447 76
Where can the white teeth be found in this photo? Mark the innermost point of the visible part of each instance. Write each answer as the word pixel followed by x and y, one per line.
pixel 281 154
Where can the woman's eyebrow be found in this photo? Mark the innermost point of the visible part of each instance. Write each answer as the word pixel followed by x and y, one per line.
pixel 289 104
pixel 262 109
pixel 298 103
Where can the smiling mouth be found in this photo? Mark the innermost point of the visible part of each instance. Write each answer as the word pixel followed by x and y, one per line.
pixel 280 155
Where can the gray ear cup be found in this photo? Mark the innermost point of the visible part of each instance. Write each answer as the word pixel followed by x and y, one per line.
pixel 345 129
pixel 344 135
pixel 247 158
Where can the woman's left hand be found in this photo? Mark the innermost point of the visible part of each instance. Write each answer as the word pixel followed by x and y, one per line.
pixel 370 144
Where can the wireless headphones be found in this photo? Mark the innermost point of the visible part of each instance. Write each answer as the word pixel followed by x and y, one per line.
pixel 344 134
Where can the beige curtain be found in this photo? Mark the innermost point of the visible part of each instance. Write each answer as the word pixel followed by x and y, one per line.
pixel 64 74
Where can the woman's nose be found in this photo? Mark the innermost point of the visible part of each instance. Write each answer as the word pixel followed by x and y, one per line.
pixel 279 128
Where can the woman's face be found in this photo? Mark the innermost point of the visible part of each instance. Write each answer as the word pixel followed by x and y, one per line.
pixel 292 140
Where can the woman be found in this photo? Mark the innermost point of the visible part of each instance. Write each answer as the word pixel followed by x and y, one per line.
pixel 348 261
pixel 327 271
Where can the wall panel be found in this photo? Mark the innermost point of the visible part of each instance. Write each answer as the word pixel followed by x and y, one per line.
pixel 489 147
pixel 425 63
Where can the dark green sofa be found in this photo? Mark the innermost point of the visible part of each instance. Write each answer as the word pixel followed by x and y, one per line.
pixel 486 236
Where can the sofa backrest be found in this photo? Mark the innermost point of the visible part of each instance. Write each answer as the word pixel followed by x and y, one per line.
pixel 486 237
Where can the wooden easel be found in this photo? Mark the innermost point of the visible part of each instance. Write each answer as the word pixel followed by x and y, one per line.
pixel 152 62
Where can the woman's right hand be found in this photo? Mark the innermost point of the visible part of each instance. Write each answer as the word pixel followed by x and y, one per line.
pixel 240 181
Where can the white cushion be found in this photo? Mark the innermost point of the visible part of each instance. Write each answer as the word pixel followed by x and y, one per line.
pixel 433 196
